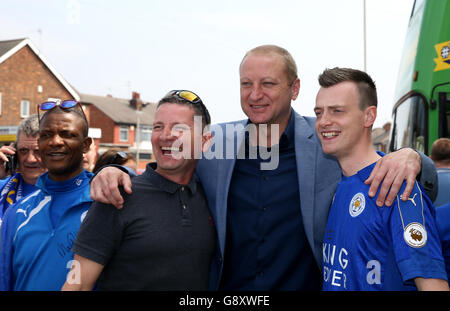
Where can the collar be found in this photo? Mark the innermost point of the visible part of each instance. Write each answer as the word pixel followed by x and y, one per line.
pixel 365 172
pixel 51 186
pixel 166 184
pixel 286 138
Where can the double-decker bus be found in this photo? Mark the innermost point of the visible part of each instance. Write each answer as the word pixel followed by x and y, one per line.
pixel 421 112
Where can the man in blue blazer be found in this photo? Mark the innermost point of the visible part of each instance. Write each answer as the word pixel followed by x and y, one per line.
pixel 269 186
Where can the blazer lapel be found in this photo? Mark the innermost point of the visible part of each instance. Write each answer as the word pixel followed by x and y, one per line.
pixel 225 172
pixel 305 155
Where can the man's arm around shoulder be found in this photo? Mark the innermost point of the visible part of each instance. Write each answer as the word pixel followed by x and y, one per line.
pixel 104 185
pixel 6 248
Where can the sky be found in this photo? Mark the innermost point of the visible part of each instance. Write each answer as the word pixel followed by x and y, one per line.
pixel 115 47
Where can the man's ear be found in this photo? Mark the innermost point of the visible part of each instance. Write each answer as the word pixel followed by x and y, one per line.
pixel 295 89
pixel 206 141
pixel 87 144
pixel 370 115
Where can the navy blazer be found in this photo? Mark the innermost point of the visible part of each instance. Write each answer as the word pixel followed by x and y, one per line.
pixel 318 177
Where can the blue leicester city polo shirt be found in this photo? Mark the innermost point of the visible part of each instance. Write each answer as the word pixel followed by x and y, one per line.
pixel 367 247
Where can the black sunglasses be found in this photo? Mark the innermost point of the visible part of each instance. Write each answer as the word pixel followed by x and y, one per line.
pixel 65 104
pixel 193 99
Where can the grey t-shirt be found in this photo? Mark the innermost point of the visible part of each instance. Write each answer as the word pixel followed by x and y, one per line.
pixel 163 238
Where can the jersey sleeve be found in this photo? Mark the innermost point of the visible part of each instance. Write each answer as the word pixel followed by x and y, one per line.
pixel 415 237
pixel 7 231
pixel 443 224
pixel 100 233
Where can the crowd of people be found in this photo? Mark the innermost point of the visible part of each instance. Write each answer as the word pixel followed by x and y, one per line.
pixel 332 214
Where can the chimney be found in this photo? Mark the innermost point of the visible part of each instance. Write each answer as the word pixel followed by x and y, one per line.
pixel 136 101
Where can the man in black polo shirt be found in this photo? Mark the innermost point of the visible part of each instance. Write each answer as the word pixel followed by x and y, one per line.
pixel 165 238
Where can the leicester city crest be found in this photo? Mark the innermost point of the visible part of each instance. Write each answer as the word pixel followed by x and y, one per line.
pixel 357 204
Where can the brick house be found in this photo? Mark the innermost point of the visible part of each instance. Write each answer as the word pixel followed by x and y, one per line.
pixel 119 118
pixel 380 137
pixel 26 79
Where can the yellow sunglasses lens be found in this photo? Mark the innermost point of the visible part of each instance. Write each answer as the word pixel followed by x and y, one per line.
pixel 188 95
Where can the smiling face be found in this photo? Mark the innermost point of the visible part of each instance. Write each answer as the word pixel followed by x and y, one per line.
pixel 29 161
pixel 266 92
pixel 62 144
pixel 174 139
pixel 341 125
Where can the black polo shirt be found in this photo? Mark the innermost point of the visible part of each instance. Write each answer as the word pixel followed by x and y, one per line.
pixel 163 238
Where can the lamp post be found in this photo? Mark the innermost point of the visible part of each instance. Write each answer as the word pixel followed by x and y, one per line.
pixel 364 35
pixel 138 136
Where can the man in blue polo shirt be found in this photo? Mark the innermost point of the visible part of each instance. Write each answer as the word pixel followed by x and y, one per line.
pixel 367 247
pixel 38 232
pixel 22 162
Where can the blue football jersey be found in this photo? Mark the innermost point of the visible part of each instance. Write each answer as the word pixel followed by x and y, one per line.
pixel 367 247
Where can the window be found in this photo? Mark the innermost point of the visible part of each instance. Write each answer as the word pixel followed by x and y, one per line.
pixel 123 133
pixel 145 156
pixel 417 5
pixel 145 134
pixel 410 124
pixel 24 108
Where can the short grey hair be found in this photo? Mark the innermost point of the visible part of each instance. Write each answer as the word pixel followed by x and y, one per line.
pixel 29 126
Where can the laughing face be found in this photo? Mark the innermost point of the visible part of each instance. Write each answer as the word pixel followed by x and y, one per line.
pixel 176 141
pixel 62 144
pixel 340 122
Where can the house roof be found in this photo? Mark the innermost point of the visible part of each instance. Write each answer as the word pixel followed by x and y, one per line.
pixel 10 47
pixel 119 109
pixel 6 46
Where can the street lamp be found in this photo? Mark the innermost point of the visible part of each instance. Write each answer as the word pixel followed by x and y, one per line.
pixel 364 29
pixel 138 137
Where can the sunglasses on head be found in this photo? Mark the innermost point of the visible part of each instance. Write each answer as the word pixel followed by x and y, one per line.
pixel 65 104
pixel 119 155
pixel 193 99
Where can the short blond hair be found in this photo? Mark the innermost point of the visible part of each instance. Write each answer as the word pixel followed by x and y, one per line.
pixel 291 66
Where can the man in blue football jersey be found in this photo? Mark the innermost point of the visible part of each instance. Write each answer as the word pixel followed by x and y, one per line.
pixel 367 247
pixel 38 231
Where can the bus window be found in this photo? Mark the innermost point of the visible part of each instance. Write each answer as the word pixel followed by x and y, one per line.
pixel 410 124
pixel 417 5
pixel 444 114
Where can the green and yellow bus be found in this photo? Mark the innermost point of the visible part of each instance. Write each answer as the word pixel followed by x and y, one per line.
pixel 421 112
